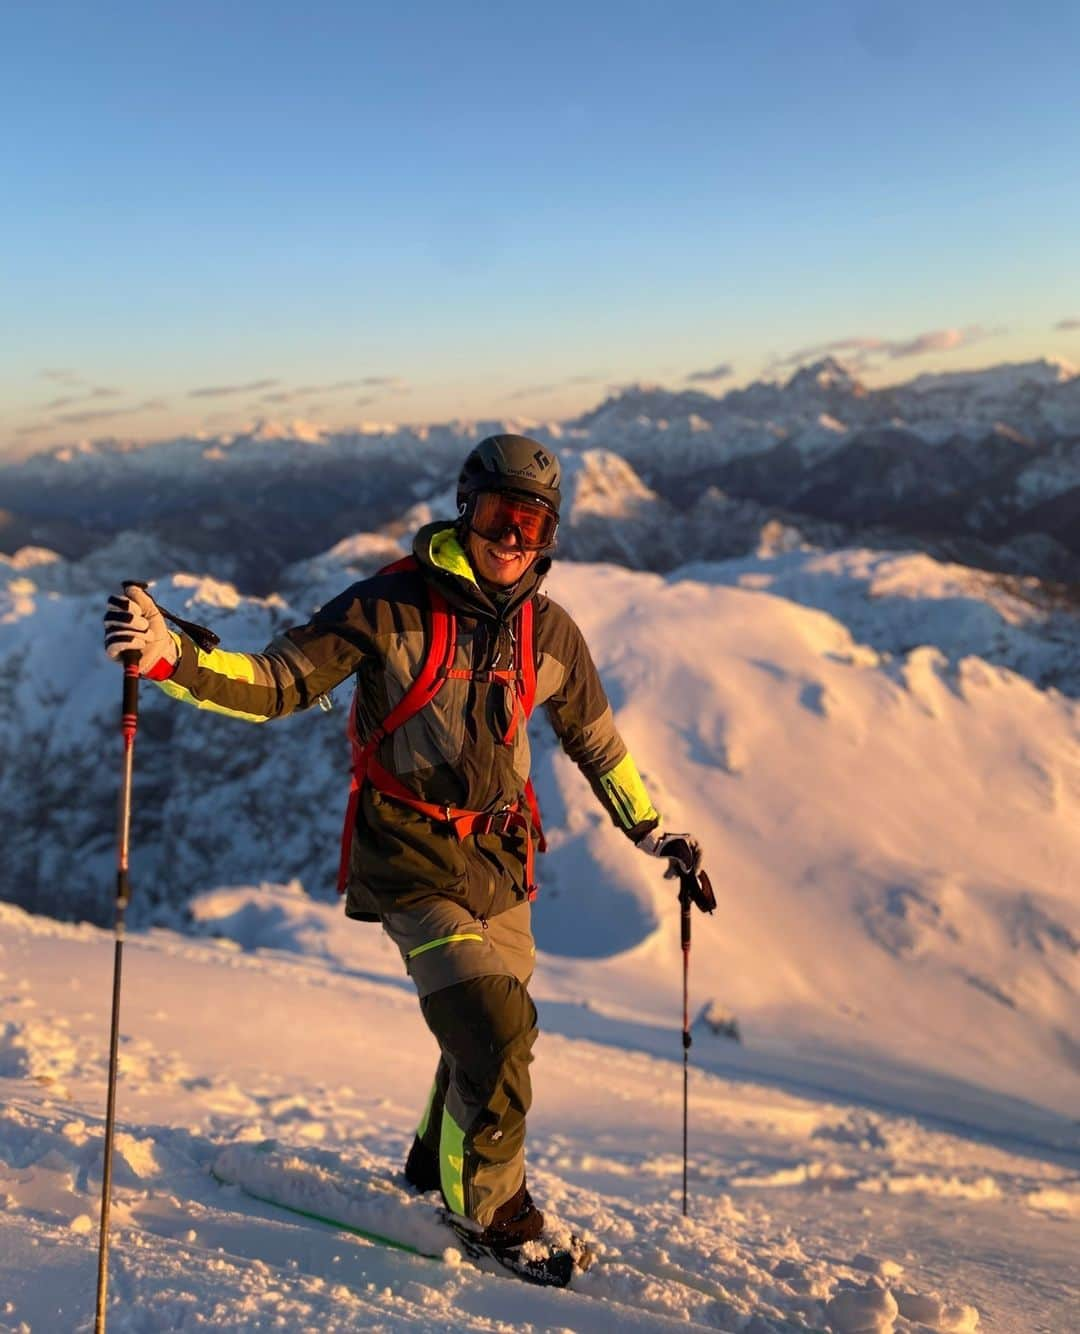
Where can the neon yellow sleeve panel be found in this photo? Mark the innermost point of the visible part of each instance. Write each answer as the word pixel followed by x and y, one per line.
pixel 233 666
pixel 236 666
pixel 626 792
pixel 186 697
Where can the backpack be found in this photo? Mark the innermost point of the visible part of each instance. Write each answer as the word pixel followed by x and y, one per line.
pixel 434 671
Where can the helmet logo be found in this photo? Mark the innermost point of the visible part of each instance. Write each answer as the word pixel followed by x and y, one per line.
pixel 538 460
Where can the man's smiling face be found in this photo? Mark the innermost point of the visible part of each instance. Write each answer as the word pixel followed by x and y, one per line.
pixel 500 562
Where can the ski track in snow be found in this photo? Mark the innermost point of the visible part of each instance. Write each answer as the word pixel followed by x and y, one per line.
pixel 806 1212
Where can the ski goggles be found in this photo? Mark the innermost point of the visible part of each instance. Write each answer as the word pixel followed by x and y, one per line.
pixel 495 513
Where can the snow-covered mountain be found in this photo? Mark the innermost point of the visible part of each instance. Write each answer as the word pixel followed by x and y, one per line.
pixel 880 751
pixel 56 708
pixel 1039 400
pixel 979 466
pixel 881 755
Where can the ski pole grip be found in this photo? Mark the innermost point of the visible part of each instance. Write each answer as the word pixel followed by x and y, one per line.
pixel 130 659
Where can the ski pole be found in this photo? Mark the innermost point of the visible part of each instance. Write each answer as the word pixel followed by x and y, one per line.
pixel 695 888
pixel 684 931
pixel 128 724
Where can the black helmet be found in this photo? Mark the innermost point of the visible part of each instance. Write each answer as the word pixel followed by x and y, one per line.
pixel 510 463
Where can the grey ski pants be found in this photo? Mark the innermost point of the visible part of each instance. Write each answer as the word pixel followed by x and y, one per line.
pixel 472 978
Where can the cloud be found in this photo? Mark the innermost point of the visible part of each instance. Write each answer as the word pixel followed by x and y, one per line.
pixel 307 390
pixel 60 376
pixel 1067 324
pixel 860 347
pixel 225 390
pixel 68 399
pixel 940 340
pixel 387 384
pixel 865 349
pixel 538 390
pixel 107 414
pixel 722 372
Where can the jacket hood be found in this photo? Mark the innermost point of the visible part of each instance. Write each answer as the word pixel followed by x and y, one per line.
pixel 443 560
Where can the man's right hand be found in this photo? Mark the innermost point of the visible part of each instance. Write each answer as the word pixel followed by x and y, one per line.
pixel 134 621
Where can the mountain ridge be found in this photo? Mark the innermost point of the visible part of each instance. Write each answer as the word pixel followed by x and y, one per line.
pixel 979 466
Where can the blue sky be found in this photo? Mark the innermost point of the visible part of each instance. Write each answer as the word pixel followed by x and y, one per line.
pixel 215 212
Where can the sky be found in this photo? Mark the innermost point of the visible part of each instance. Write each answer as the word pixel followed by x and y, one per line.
pixel 342 212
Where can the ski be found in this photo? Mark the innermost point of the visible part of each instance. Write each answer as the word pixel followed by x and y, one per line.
pixel 382 1215
pixel 378 1238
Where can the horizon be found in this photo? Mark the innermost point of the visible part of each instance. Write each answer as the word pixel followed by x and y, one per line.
pixel 220 215
pixel 611 393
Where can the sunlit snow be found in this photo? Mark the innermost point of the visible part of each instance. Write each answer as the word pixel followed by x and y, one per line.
pixel 873 751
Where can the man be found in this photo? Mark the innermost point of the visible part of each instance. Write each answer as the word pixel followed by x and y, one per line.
pixel 441 829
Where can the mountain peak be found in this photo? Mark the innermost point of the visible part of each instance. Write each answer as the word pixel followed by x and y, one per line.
pixel 827 373
pixel 266 430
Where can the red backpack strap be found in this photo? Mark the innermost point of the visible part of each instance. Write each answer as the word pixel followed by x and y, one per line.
pixel 347 834
pixel 397 566
pixel 523 677
pixel 441 646
pixel 442 643
pixel 526 638
pixel 533 803
pixel 526 647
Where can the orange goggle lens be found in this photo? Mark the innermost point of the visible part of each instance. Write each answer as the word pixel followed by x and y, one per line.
pixel 494 514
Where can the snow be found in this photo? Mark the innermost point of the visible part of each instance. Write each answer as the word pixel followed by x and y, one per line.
pixel 897 601
pixel 997 381
pixel 886 778
pixel 801 1205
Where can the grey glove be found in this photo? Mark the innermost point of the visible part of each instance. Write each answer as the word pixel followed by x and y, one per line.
pixel 134 621
pixel 682 850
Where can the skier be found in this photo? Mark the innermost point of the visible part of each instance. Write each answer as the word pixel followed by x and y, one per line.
pixel 442 827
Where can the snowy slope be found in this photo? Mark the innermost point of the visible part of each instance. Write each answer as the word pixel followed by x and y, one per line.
pixel 807 1211
pixel 878 755
pixel 890 806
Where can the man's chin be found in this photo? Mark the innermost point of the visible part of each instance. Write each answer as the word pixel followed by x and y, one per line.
pixel 503 576
pixel 504 572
